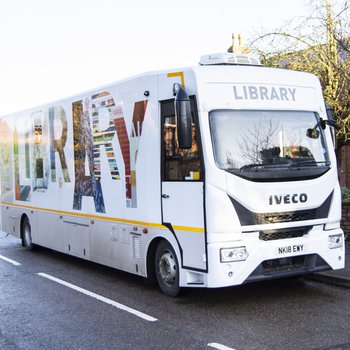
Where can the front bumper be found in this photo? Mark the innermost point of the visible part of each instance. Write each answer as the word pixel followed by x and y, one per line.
pixel 275 258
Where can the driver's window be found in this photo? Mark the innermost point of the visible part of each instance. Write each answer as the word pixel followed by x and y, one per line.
pixel 178 164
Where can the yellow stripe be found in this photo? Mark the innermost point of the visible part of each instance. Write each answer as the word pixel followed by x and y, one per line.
pixel 192 229
pixel 105 218
pixel 178 74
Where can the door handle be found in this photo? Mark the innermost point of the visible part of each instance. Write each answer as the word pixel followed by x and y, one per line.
pixel 165 195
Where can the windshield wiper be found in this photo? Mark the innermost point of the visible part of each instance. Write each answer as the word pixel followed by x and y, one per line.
pixel 252 166
pixel 306 163
pixel 282 165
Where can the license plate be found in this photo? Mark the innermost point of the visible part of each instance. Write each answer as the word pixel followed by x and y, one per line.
pixel 288 249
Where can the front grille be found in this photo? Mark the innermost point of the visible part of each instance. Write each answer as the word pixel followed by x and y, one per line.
pixel 248 217
pixel 288 216
pixel 288 266
pixel 272 235
pixel 292 263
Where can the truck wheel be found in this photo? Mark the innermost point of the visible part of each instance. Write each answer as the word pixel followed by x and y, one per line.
pixel 167 269
pixel 27 235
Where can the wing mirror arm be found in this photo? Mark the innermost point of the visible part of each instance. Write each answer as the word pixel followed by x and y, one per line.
pixel 183 117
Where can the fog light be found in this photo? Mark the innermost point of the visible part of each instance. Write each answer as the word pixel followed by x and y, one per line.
pixel 233 254
pixel 335 241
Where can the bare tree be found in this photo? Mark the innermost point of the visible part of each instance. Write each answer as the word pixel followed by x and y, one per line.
pixel 318 43
pixel 257 141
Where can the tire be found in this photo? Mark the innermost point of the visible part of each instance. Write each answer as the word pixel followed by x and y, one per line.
pixel 167 269
pixel 27 241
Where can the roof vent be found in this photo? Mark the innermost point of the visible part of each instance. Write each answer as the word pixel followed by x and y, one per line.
pixel 230 58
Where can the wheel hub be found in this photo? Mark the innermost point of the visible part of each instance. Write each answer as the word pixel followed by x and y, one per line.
pixel 167 267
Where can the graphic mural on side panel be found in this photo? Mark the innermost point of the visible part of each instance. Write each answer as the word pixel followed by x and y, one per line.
pixel 41 146
pixel 137 121
pixel 58 121
pixel 5 161
pixel 40 159
pixel 104 111
pixel 86 183
pixel 22 192
pixel 129 148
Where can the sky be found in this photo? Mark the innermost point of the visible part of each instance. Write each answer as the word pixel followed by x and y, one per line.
pixel 51 49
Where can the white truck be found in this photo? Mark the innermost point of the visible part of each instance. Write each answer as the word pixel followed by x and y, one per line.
pixel 208 176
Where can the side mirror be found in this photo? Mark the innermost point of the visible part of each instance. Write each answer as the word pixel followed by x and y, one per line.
pixel 183 117
pixel 313 133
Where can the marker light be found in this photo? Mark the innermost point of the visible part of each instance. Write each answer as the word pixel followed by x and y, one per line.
pixel 233 254
pixel 335 241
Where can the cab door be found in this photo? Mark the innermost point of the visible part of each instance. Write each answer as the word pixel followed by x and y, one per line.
pixel 183 189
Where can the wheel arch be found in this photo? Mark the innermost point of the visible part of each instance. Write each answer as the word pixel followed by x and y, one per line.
pixel 151 254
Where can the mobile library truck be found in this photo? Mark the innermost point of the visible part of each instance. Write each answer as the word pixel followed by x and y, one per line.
pixel 208 176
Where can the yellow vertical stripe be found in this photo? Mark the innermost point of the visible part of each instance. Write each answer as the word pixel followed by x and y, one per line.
pixel 178 74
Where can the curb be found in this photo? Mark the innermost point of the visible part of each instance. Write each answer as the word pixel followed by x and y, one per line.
pixel 330 279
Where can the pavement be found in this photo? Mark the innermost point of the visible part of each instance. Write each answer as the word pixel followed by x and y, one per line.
pixel 338 277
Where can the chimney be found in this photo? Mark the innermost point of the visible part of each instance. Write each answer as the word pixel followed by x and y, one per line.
pixel 237 45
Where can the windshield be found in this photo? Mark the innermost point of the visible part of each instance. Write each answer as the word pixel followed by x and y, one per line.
pixel 269 144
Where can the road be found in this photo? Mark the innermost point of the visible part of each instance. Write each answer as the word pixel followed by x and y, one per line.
pixel 49 300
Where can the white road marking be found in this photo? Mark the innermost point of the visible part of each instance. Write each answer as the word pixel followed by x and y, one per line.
pixel 100 298
pixel 9 260
pixel 219 346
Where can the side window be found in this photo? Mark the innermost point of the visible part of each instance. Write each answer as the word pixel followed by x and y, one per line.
pixel 178 164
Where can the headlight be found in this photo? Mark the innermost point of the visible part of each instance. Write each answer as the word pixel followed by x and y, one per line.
pixel 233 254
pixel 335 241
